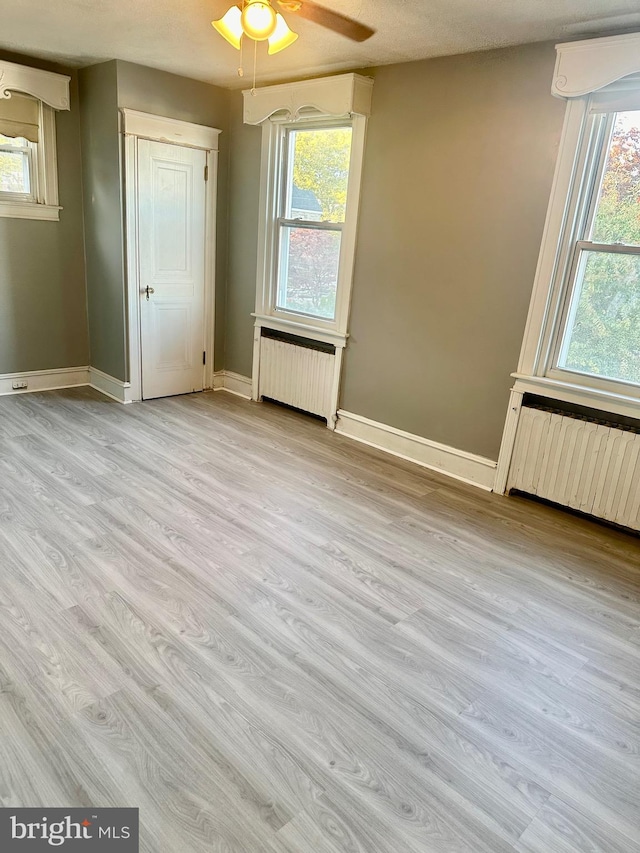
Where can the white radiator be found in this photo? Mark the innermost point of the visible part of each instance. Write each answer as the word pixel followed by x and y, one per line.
pixel 583 465
pixel 298 376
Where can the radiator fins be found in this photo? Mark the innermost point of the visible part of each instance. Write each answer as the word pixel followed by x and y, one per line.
pixel 295 375
pixel 586 466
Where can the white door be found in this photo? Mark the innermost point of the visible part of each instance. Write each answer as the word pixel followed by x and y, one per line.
pixel 171 240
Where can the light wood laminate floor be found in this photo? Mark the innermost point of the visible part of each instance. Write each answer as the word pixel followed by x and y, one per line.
pixel 274 640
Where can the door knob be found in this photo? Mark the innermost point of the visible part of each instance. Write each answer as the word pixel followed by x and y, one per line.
pixel 149 290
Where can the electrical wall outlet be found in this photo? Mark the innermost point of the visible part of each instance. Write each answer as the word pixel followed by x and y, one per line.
pixel 20 386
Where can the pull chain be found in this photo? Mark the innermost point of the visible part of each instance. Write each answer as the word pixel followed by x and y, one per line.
pixel 241 66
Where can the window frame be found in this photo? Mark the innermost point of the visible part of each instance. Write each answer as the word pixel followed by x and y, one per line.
pixel 274 172
pixel 572 203
pixel 31 152
pixel 282 222
pixel 42 203
pixel 593 149
pixel 51 91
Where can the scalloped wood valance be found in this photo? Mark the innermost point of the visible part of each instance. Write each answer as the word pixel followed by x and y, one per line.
pixel 50 88
pixel 343 95
pixel 583 67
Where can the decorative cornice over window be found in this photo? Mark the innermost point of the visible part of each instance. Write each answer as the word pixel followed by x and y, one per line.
pixel 343 95
pixel 583 67
pixel 52 89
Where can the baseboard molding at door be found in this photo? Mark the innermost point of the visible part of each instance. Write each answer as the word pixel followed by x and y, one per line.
pixel 459 464
pixel 44 380
pixel 234 383
pixel 110 386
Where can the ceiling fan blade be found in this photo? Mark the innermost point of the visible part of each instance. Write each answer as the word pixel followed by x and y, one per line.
pixel 329 19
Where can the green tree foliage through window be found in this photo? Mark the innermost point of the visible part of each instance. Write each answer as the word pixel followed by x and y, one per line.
pixel 617 217
pixel 310 255
pixel 321 164
pixel 604 339
pixel 313 259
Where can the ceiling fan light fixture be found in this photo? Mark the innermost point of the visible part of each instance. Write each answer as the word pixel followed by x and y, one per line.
pixel 282 36
pixel 259 19
pixel 230 27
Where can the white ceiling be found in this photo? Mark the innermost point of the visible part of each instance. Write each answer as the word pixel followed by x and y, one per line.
pixel 175 35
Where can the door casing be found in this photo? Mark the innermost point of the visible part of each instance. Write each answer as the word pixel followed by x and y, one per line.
pixel 139 125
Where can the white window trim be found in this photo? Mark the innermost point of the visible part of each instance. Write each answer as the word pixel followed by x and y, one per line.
pixel 44 205
pixel 582 68
pixel 273 141
pixel 52 91
pixel 306 104
pixel 342 95
pixel 553 281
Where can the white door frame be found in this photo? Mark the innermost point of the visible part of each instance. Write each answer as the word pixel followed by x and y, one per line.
pixel 138 125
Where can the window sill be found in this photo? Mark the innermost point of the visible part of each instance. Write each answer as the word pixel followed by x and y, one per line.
pixel 582 395
pixel 304 330
pixel 29 210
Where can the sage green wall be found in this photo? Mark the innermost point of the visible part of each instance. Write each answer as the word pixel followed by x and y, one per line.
pixel 458 169
pixel 457 172
pixel 43 322
pixel 161 93
pixel 104 239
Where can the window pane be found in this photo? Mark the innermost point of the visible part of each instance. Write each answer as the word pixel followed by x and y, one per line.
pixel 14 141
pixel 617 218
pixel 14 172
pixel 603 332
pixel 309 259
pixel 14 165
pixel 318 174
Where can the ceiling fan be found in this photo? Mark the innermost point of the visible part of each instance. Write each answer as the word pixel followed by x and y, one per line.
pixel 258 20
pixel 328 19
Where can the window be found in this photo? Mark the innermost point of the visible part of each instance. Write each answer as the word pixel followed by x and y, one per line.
pixel 582 338
pixel 312 218
pixel 28 168
pixel 595 339
pixel 19 136
pixel 599 334
pixel 313 135
pixel 28 180
pixel 16 167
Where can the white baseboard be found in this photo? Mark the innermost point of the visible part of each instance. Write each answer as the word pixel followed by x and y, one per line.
pixel 71 377
pixel 234 383
pixel 44 380
pixel 459 464
pixel 109 386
